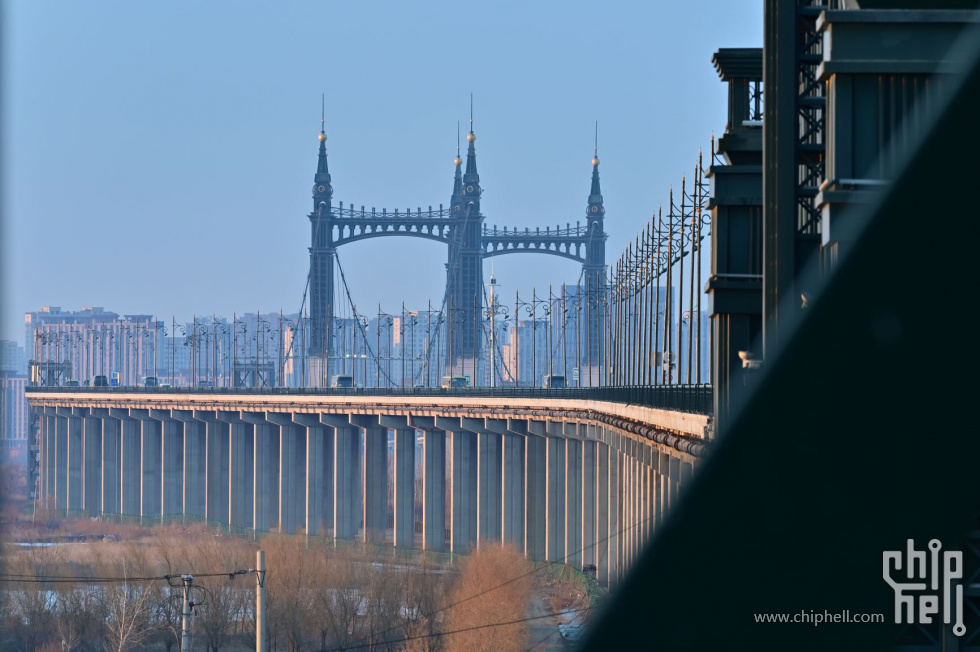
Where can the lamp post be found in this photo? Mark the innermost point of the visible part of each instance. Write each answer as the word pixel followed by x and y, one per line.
pixel 338 332
pixel 174 327
pixel 237 325
pixel 492 309
pixel 384 321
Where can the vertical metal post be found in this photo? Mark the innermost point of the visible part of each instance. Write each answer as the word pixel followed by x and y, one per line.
pixel 185 621
pixel 260 638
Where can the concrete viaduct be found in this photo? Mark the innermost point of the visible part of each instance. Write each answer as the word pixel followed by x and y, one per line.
pixel 564 480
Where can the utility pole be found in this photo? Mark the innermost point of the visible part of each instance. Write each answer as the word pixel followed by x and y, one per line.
pixel 185 624
pixel 260 601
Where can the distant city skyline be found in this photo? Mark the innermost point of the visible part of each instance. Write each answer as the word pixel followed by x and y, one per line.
pixel 172 180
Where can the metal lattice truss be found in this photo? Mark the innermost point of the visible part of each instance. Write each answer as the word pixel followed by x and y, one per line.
pixel 351 225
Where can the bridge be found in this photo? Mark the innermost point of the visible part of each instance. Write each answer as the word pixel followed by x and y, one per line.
pixel 469 241
pixel 826 437
pixel 560 475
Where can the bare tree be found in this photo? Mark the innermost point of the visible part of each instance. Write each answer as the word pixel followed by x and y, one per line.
pixel 78 615
pixel 424 596
pixel 32 603
pixel 338 596
pixel 126 603
pixel 384 598
pixel 289 597
pixel 492 589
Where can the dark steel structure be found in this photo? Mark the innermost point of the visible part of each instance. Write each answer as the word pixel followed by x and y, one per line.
pixel 462 228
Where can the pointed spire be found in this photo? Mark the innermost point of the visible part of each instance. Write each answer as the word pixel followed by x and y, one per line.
pixel 595 209
pixel 458 178
pixel 321 166
pixel 322 190
pixel 471 174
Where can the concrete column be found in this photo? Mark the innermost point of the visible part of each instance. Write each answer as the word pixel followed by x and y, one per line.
pixel 463 485
pixel 150 469
pixel 588 501
pixel 217 467
pixel 61 462
pixel 434 490
pixel 628 527
pixel 241 471
pixel 292 478
pixel 654 507
pixel 612 509
pixel 265 482
pixel 111 465
pixel 346 474
pixel 374 486
pixel 75 463
pixel 318 515
pixel 49 458
pixel 404 485
pixel 513 490
pixel 573 503
pixel 602 513
pixel 131 455
pixel 488 474
pixel 172 463
pixel 555 499
pixel 535 496
pixel 91 464
pixel 193 464
pixel 663 472
pixel 674 480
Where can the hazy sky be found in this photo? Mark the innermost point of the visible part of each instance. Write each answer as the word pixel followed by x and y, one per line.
pixel 158 157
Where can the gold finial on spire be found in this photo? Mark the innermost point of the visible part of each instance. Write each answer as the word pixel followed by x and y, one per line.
pixel 323 134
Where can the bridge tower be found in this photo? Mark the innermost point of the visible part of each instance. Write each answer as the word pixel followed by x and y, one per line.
pixel 322 256
pixel 464 269
pixel 595 266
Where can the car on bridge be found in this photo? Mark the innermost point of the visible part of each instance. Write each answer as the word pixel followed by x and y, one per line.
pixel 553 381
pixel 101 381
pixel 451 382
pixel 150 381
pixel 341 380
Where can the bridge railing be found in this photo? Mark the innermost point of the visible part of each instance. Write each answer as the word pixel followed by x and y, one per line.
pixel 680 398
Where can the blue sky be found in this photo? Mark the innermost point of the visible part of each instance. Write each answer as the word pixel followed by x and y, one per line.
pixel 158 157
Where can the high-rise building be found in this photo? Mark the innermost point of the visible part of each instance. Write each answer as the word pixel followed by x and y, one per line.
pixel 14 417
pixel 80 345
pixel 12 357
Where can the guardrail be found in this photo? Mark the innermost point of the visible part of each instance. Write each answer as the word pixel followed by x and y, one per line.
pixel 681 398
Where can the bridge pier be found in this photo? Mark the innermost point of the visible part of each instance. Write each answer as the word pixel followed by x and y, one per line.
pixel 588 530
pixel 346 476
pixel 194 463
pixel 171 463
pixel 535 496
pixel 513 473
pixel 489 479
pixel 403 481
pixel 433 487
pixel 292 472
pixel 573 500
pixel 217 478
pixel 602 509
pixel 614 519
pixel 318 514
pixel 265 483
pixel 150 448
pixel 238 450
pixel 131 462
pixel 555 498
pixel 463 485
pixel 374 475
pixel 111 471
